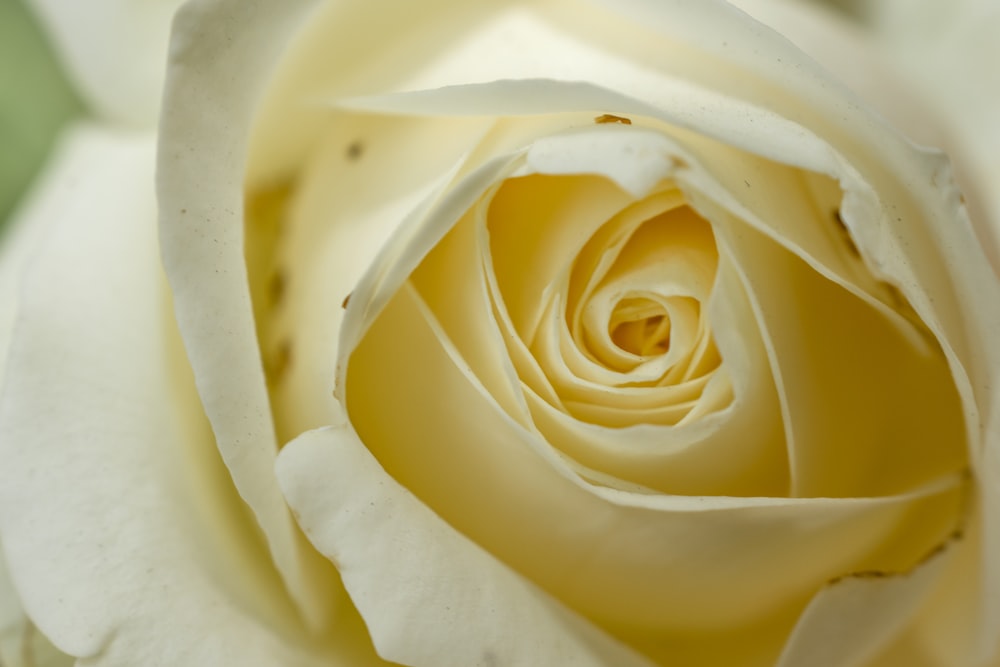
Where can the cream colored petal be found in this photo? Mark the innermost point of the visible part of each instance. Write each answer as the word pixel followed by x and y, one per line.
pixel 755 66
pixel 637 160
pixel 867 412
pixel 739 451
pixel 852 619
pixel 761 440
pixel 122 532
pixel 429 595
pixel 941 268
pixel 115 50
pixel 21 644
pixel 945 51
pixel 44 202
pixel 336 55
pixel 945 628
pixel 764 182
pixel 765 70
pixel 366 175
pixel 553 218
pixel 848 52
pixel 749 62
pixel 639 563
pixel 921 238
pixel 220 56
pixel 416 236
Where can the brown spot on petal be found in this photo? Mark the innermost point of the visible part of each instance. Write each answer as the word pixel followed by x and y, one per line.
pixel 347 300
pixel 611 118
pixel 354 150
pixel 276 287
pixel 280 361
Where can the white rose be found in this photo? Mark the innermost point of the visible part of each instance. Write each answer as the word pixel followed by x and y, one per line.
pixel 660 349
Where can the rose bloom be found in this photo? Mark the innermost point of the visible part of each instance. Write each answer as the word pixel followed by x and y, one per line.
pixel 550 333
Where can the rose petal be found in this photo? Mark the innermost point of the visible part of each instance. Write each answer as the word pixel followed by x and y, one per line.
pixel 429 595
pixel 220 56
pixel 640 563
pixel 351 197
pixel 21 235
pixel 452 282
pixel 847 51
pixel 835 356
pixel 121 529
pixel 851 619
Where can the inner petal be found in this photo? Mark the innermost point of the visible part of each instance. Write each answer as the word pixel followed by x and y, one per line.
pixel 640 326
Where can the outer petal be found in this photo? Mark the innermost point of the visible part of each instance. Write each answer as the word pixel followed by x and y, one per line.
pixel 947 50
pixel 430 596
pixel 122 532
pixel 115 51
pixel 21 237
pixel 851 619
pixel 849 54
pixel 220 56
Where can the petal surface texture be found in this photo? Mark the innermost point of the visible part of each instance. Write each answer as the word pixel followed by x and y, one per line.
pixel 650 315
pixel 122 532
pixel 416 580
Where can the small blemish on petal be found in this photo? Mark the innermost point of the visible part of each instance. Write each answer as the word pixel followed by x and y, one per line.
pixel 354 150
pixel 276 287
pixel 611 118
pixel 281 361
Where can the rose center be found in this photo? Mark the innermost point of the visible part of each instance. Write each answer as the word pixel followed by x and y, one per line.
pixel 640 326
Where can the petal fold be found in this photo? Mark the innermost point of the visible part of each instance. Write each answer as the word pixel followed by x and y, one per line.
pixel 430 596
pixel 220 57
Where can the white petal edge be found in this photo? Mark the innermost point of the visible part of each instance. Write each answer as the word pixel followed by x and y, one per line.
pixel 21 235
pixel 220 56
pixel 431 597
